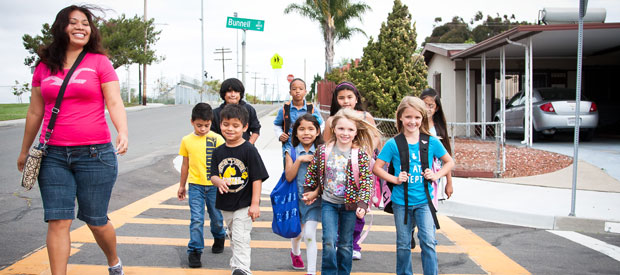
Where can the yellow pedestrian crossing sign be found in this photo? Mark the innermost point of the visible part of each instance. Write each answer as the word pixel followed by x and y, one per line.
pixel 276 61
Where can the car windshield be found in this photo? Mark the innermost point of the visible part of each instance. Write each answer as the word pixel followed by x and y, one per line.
pixel 559 94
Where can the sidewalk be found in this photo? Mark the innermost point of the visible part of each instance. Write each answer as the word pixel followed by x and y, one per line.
pixel 542 201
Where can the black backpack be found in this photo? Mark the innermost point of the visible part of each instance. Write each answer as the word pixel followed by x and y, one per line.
pixel 286 112
pixel 403 150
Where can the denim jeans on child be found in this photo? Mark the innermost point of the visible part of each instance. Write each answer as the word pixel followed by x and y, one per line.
pixel 337 221
pixel 85 174
pixel 419 215
pixel 199 196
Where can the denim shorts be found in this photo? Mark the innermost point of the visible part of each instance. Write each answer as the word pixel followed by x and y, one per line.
pixel 86 173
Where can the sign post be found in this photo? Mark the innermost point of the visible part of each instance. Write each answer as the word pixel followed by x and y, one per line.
pixel 244 24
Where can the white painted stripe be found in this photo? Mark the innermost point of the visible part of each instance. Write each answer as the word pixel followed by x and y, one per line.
pixel 589 242
pixel 613 227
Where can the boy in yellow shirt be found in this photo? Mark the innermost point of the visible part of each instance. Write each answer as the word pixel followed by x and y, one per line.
pixel 197 150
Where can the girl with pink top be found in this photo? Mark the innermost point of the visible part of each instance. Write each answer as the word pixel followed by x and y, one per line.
pixel 80 161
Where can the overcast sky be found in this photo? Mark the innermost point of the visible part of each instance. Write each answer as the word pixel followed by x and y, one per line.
pixel 296 39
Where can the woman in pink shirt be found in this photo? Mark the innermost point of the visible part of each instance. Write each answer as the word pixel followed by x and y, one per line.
pixel 80 161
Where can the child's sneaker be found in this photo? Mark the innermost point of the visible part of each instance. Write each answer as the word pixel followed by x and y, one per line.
pixel 298 263
pixel 239 272
pixel 357 255
pixel 117 269
pixel 218 245
pixel 194 259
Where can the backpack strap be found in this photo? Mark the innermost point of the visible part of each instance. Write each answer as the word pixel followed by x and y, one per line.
pixel 293 154
pixel 310 108
pixel 424 141
pixel 286 115
pixel 403 151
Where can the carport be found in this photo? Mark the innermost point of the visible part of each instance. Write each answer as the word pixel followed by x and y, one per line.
pixel 545 56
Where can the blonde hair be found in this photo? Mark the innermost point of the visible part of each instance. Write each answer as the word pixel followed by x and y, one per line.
pixel 418 105
pixel 366 132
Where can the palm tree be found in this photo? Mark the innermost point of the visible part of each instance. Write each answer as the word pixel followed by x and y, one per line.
pixel 333 16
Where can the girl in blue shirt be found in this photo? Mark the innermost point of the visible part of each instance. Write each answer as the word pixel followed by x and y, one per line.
pixel 411 119
pixel 306 137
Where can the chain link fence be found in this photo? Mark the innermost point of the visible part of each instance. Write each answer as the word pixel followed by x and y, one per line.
pixel 476 146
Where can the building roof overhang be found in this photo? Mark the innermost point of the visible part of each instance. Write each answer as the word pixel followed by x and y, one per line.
pixel 553 41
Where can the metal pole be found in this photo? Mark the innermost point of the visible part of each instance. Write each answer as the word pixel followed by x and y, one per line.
pixel 583 5
pixel 484 95
pixel 503 104
pixel 243 58
pixel 237 45
pixel 202 48
pixel 146 29
pixel 531 83
pixel 467 96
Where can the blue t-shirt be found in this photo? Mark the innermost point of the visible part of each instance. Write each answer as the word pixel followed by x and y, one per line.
pixel 295 113
pixel 416 193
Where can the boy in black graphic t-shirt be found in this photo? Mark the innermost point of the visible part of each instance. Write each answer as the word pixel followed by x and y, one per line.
pixel 238 172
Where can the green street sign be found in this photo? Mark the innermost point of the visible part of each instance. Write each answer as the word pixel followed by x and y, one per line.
pixel 245 24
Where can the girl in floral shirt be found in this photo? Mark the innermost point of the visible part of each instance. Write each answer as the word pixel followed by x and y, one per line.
pixel 340 173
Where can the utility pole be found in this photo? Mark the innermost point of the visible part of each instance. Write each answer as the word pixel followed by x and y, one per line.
pixel 146 29
pixel 255 92
pixel 223 51
pixel 264 88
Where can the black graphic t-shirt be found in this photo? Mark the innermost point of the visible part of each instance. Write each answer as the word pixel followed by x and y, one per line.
pixel 241 165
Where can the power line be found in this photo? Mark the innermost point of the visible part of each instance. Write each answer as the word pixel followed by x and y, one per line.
pixel 223 51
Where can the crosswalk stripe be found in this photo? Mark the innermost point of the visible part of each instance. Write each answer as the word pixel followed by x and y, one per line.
pixel 78 269
pixel 258 224
pixel 262 209
pixel 589 242
pixel 261 244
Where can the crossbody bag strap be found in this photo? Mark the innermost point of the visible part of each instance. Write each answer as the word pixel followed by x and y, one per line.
pixel 61 93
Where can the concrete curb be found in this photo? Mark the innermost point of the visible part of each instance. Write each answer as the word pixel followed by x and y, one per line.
pixel 549 222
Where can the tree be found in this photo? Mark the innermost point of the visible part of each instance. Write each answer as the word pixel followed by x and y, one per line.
pixel 389 70
pixel 493 26
pixel 333 17
pixel 20 89
pixel 457 31
pixel 123 38
pixel 312 92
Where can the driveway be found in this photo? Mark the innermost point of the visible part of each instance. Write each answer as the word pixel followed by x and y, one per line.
pixel 600 152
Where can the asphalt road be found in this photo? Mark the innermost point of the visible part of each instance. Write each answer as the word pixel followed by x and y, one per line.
pixel 152 230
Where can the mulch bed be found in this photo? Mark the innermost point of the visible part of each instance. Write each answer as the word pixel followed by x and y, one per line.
pixel 476 158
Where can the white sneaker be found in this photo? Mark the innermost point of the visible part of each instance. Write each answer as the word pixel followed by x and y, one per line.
pixel 357 255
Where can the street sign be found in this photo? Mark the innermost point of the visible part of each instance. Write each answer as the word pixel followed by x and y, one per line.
pixel 245 24
pixel 276 61
pixel 290 78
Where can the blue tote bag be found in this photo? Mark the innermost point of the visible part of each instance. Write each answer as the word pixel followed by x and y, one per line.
pixel 286 220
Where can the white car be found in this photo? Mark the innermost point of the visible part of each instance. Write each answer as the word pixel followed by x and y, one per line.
pixel 553 110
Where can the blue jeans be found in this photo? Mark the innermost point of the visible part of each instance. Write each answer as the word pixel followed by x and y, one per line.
pixel 421 215
pixel 199 196
pixel 337 221
pixel 86 173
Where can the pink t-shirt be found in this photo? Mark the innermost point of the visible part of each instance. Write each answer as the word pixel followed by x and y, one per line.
pixel 81 120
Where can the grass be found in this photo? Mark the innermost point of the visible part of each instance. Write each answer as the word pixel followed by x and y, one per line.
pixel 17 111
pixel 13 111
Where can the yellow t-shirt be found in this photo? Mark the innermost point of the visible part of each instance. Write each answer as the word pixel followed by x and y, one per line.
pixel 199 151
